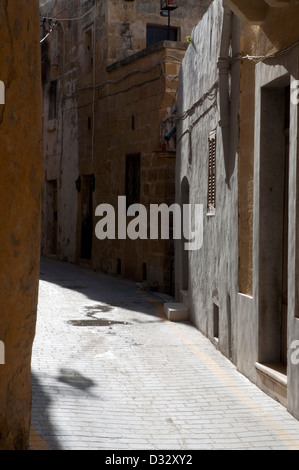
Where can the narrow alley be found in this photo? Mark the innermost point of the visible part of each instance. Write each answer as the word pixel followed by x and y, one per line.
pixel 109 372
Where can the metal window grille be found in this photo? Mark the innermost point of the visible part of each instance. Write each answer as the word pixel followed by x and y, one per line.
pixel 212 173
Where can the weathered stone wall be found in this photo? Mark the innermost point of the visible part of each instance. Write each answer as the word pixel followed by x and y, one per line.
pixel 128 20
pixel 210 274
pixel 134 106
pixel 20 191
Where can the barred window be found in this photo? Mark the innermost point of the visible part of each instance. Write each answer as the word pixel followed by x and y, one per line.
pixel 211 206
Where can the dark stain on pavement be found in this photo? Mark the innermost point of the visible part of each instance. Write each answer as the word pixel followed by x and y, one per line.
pixel 92 310
pixel 97 322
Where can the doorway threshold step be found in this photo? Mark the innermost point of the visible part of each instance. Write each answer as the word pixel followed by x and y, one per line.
pixel 272 379
pixel 185 297
pixel 176 311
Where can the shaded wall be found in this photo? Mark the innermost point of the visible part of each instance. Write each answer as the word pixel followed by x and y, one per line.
pixel 206 106
pixel 268 220
pixel 20 185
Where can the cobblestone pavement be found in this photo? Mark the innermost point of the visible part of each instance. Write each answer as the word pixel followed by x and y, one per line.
pixel 109 372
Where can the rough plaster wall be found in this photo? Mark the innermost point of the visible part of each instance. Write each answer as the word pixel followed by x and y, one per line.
pixel 212 270
pixel 20 188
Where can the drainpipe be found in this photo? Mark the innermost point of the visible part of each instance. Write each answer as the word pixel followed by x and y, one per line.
pixel 224 91
pixel 235 92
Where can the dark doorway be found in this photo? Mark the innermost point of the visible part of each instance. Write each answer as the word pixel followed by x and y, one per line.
pixel 87 189
pixel 273 223
pixel 52 217
pixel 284 307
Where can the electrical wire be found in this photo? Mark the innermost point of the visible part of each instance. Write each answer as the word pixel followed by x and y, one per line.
pixel 48 34
pixel 72 19
pixel 210 94
pixel 259 58
pixel 64 19
pixel 135 71
pixel 197 120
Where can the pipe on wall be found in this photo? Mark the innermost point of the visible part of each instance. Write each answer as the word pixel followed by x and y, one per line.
pixel 229 79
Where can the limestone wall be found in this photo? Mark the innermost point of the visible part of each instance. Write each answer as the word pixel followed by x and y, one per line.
pixel 20 192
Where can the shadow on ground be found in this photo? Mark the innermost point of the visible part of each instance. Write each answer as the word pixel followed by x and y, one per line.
pixel 101 288
pixel 40 420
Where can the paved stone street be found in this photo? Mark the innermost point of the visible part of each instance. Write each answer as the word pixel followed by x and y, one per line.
pixel 110 372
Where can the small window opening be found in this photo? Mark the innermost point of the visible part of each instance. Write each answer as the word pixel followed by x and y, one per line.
pixel 144 272
pixel 133 179
pixel 216 321
pixel 118 269
pixel 53 100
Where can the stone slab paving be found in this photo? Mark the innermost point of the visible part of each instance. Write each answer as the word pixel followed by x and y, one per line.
pixel 110 372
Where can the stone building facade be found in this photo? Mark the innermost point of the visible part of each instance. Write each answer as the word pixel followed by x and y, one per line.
pixel 20 189
pixel 237 155
pixel 109 88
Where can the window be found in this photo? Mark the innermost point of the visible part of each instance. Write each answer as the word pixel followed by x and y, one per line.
pixel 216 321
pixel 118 266
pixel 156 33
pixel 87 190
pixel 88 39
pixel 88 57
pixel 212 174
pixel 53 100
pixel 133 179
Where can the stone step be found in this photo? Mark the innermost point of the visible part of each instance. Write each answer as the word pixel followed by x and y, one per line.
pixel 176 311
pixel 272 379
pixel 185 297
